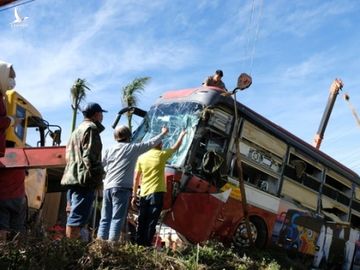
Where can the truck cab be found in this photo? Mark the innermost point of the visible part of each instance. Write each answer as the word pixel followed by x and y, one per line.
pixel 31 133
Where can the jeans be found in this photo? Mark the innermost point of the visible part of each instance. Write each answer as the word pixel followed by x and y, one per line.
pixel 113 213
pixel 81 201
pixel 149 213
pixel 13 214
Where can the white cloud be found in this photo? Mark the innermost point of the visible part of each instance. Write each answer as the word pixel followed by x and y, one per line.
pixel 54 66
pixel 315 65
pixel 205 4
pixel 303 17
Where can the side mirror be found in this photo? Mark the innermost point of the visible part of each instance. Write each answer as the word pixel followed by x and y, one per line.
pixel 244 81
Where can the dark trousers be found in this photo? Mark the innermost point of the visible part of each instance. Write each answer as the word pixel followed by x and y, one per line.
pixel 149 213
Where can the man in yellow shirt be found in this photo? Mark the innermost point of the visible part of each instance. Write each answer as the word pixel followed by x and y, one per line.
pixel 150 168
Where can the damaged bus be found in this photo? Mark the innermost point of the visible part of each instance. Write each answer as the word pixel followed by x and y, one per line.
pixel 298 197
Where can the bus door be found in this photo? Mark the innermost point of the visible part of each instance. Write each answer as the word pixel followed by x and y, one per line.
pixel 195 211
pixel 337 250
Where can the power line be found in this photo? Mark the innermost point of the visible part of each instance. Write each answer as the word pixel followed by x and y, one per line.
pixel 15 4
pixel 253 29
pixel 256 37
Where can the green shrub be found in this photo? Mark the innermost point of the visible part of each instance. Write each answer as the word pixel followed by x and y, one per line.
pixel 44 253
pixel 41 254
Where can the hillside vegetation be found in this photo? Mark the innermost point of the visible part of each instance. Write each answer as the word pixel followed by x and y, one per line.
pixel 71 254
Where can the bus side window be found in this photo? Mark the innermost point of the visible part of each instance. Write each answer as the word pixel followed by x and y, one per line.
pixel 300 167
pixel 254 177
pixel 251 176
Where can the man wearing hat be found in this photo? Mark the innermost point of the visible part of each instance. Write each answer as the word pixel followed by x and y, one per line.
pixel 84 171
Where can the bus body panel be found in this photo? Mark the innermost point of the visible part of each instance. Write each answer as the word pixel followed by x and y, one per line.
pixel 193 215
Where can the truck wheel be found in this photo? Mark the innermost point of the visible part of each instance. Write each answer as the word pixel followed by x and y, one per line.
pixel 258 232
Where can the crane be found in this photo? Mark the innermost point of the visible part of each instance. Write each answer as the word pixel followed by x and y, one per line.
pixel 335 87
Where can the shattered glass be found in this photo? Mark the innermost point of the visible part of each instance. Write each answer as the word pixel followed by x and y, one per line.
pixel 175 116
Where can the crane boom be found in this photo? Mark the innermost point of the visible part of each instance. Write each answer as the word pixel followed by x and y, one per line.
pixel 335 87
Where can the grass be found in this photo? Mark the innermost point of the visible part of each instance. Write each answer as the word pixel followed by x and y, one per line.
pixel 35 253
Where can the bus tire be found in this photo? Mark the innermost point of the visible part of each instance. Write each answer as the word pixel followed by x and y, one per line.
pixel 258 231
pixel 262 233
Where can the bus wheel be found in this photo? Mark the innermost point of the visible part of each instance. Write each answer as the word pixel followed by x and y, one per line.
pixel 258 232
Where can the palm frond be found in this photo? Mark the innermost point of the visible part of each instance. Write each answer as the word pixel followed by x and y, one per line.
pixel 130 91
pixel 78 92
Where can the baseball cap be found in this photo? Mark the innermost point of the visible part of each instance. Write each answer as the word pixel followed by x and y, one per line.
pixel 92 108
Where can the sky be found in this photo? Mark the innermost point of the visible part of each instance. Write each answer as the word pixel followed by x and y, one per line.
pixel 292 49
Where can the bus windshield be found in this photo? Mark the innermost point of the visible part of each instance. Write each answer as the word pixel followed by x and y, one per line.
pixel 175 116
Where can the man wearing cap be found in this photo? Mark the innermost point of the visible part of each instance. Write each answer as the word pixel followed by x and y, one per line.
pixel 119 163
pixel 215 80
pixel 84 171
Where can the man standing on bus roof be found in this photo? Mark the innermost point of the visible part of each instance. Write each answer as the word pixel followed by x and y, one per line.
pixel 84 171
pixel 215 80
pixel 150 168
